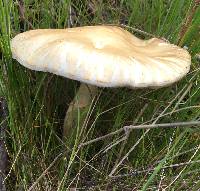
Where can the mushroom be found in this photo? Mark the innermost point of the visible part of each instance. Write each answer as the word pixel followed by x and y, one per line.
pixel 100 56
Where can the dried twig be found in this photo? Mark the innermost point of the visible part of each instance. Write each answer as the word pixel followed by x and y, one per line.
pixel 101 138
pixel 164 125
pixel 133 29
pixel 151 126
pixel 183 96
pixel 138 30
pixel 127 154
pixel 179 174
pixel 22 13
pixel 13 164
pixel 43 174
pixel 138 172
pixel 131 127
pixel 3 152
pixel 124 138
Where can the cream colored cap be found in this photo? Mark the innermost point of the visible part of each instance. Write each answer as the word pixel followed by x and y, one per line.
pixel 105 56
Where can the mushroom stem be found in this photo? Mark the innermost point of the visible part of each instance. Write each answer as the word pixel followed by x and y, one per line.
pixel 80 103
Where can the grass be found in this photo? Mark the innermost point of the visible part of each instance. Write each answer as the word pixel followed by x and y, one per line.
pixel 160 158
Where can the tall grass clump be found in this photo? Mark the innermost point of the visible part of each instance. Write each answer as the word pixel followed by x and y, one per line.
pixel 156 159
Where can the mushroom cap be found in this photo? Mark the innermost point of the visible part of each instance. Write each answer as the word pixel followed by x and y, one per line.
pixel 105 56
